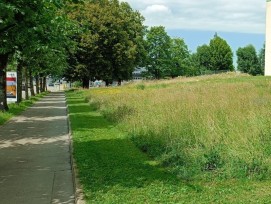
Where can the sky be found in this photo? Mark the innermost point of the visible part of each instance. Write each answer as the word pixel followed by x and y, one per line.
pixel 239 22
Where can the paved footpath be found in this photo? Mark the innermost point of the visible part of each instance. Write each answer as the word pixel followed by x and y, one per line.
pixel 35 164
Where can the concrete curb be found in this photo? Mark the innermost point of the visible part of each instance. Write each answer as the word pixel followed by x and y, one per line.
pixel 78 190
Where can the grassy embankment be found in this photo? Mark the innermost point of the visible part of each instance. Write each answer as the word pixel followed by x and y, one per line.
pixel 206 139
pixel 16 109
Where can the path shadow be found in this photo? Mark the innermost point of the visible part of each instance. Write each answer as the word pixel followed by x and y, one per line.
pixel 35 156
pixel 117 162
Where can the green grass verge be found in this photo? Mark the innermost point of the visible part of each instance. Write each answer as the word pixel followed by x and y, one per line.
pixel 16 109
pixel 113 170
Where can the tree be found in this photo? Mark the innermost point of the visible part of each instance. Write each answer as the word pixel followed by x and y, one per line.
pixel 28 26
pixel 248 60
pixel 217 56
pixel 158 45
pixel 194 66
pixel 221 54
pixel 179 57
pixel 111 41
pixel 203 58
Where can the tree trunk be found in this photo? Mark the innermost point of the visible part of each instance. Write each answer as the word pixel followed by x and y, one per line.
pixel 107 82
pixel 3 83
pixel 37 84
pixel 26 83
pixel 86 83
pixel 19 82
pixel 119 82
pixel 44 84
pixel 40 79
pixel 31 83
pixel 157 74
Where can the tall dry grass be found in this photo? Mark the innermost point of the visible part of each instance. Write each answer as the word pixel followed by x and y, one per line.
pixel 218 125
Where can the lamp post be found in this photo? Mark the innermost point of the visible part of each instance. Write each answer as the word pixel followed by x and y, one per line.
pixel 267 71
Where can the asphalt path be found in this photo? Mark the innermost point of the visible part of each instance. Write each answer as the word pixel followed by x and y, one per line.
pixel 35 161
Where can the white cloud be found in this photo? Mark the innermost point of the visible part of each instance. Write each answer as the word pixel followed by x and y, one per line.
pixel 153 9
pixel 157 14
pixel 215 15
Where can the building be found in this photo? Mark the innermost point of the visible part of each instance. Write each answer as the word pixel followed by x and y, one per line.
pixel 138 73
pixel 267 71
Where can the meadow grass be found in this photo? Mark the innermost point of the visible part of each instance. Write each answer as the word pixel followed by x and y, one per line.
pixel 16 109
pixel 212 126
pixel 113 170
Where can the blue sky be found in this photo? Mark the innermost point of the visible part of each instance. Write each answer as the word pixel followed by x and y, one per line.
pixel 194 38
pixel 239 22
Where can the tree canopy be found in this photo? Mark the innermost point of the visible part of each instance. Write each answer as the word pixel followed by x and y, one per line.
pixel 221 54
pixel 203 58
pixel 38 30
pixel 111 41
pixel 158 56
pixel 248 61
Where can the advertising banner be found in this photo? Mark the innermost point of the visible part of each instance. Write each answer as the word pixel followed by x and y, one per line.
pixel 11 86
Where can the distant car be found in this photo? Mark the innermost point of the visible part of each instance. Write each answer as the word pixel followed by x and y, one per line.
pixel 50 84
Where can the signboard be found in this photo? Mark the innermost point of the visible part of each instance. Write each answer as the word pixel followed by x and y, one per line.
pixel 11 86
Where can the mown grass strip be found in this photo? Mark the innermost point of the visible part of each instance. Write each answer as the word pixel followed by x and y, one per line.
pixel 113 170
pixel 16 109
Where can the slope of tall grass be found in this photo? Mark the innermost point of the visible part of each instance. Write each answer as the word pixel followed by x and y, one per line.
pixel 198 127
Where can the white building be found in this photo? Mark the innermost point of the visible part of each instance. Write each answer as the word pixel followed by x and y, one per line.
pixel 268 39
pixel 138 73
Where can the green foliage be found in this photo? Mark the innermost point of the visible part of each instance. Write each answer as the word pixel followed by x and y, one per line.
pixel 179 58
pixel 221 54
pixel 248 60
pixel 37 33
pixel 166 57
pixel 158 55
pixel 77 84
pixel 203 57
pixel 24 22
pixel 215 56
pixel 194 68
pixel 111 41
